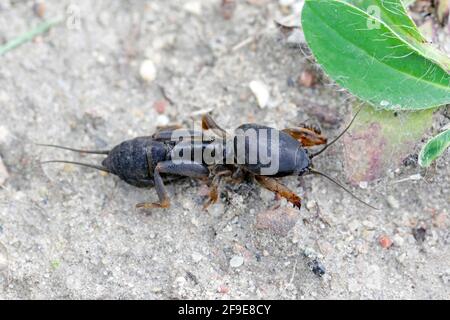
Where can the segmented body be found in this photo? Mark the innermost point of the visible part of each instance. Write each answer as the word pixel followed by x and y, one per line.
pixel 135 160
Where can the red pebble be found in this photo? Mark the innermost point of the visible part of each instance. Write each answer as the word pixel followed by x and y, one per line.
pixel 223 289
pixel 385 241
pixel 160 106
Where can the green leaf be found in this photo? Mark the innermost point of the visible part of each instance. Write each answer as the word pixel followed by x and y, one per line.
pixel 375 64
pixel 434 148
pixel 394 15
pixel 380 140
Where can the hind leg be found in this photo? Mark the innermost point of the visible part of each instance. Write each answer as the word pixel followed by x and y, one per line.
pixel 187 169
pixel 280 189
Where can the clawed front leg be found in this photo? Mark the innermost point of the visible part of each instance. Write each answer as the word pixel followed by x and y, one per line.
pixel 273 185
pixel 308 136
pixel 213 190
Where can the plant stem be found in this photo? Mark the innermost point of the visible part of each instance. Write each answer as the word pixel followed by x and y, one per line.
pixel 27 36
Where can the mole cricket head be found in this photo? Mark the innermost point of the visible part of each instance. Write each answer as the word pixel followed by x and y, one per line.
pixel 108 164
pixel 303 162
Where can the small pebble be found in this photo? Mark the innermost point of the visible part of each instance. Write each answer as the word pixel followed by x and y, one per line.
pixel 311 204
pixel 286 3
pixel 393 203
pixel 385 241
pixel 309 253
pixel 419 234
pixel 440 220
pixel 261 92
pixel 290 82
pixel 227 8
pixel 415 177
pixel 401 258
pixel 307 79
pixel 194 7
pixel 411 160
pixel 236 261
pixel 39 8
pixel 363 184
pixel 223 289
pixel 3 257
pixel 147 70
pixel 160 105
pixel 398 240
pixel 100 58
pixel 317 267
pixel 4 97
pixel 4 175
pixel 162 120
pixel 196 257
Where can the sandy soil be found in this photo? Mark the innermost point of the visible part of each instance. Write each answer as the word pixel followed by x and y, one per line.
pixel 70 232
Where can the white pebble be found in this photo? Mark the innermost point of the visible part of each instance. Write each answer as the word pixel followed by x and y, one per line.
pixel 236 261
pixel 261 92
pixel 162 120
pixel 4 97
pixel 148 70
pixel 5 135
pixel 393 203
pixel 363 184
pixel 194 7
pixel 196 257
pixel 311 204
pixel 401 258
pixel 3 258
pixel 4 175
pixel 286 3
pixel 398 240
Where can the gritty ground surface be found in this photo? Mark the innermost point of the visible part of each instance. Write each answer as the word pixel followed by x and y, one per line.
pixel 70 232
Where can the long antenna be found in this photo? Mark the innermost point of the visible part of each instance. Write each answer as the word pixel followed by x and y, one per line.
pixel 340 185
pixel 337 138
pixel 93 166
pixel 75 150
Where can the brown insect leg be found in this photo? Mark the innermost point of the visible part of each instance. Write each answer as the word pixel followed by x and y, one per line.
pixel 209 123
pixel 273 185
pixel 307 136
pixel 213 191
pixel 187 169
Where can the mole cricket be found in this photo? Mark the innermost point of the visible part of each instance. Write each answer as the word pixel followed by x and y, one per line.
pixel 262 152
